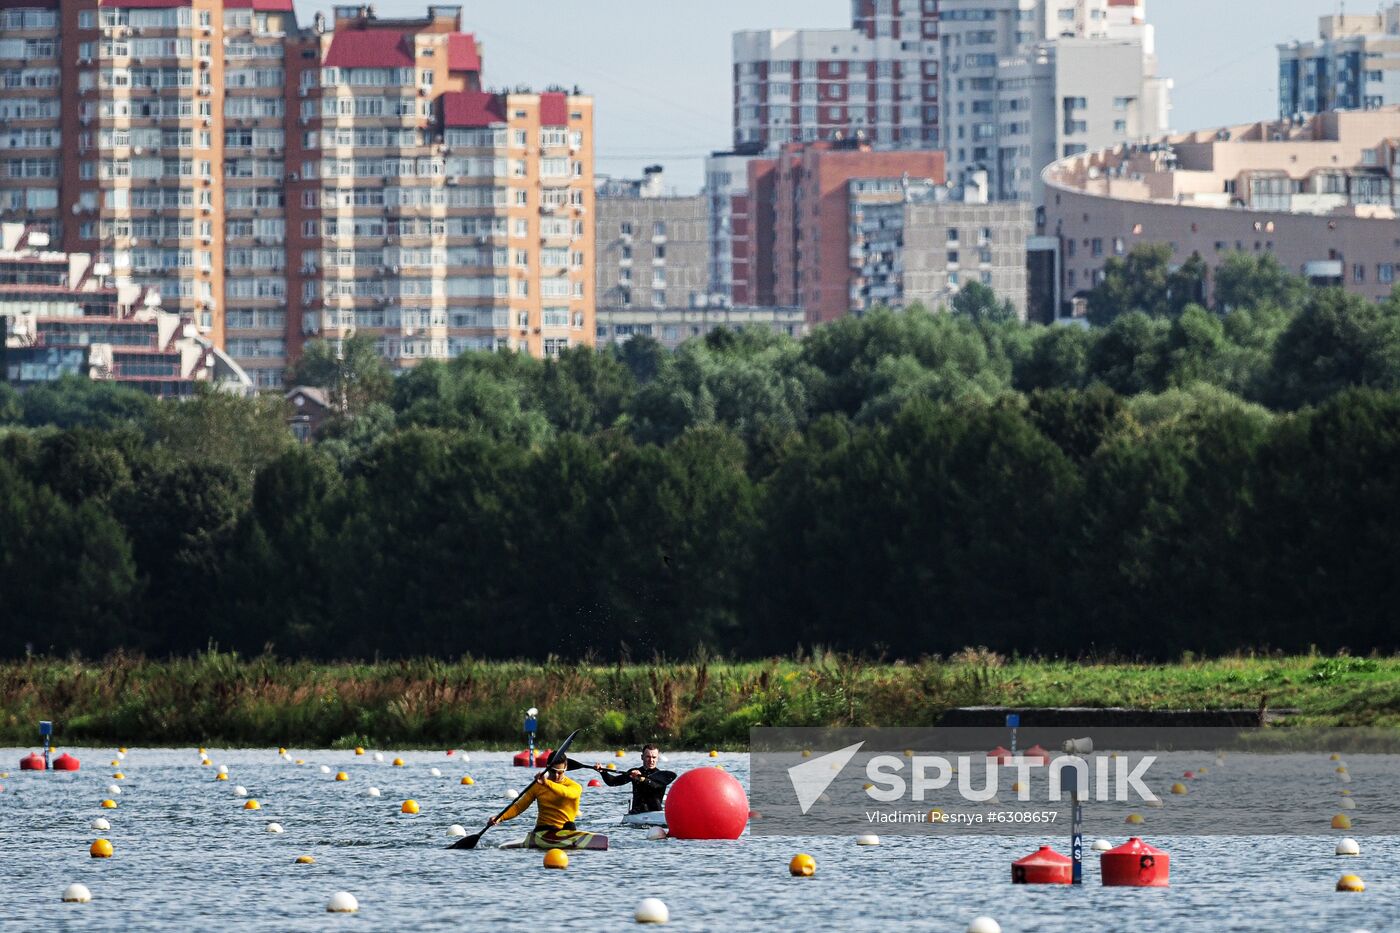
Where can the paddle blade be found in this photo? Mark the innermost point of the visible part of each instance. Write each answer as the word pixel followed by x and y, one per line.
pixel 467 842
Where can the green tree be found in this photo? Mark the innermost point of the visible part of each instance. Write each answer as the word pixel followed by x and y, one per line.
pixel 977 303
pixel 1128 355
pixel 1058 359
pixel 1339 340
pixel 218 427
pixel 351 370
pixel 1145 281
pixel 1244 280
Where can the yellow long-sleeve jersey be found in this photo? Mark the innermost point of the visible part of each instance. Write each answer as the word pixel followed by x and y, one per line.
pixel 557 800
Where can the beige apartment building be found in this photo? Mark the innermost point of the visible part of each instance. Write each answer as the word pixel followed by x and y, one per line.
pixel 275 182
pixel 1320 193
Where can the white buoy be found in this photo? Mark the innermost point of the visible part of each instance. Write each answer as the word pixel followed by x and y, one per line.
pixel 373 792
pixel 342 902
pixel 1344 778
pixel 1346 803
pixel 286 756
pixel 76 894
pixel 984 925
pixel 867 839
pixel 1348 847
pixel 464 757
pixel 456 830
pixel 509 794
pixel 652 910
pixel 1101 845
pixel 657 832
pixel 274 827
pixel 114 790
pixel 325 770
pixel 100 825
pixel 121 756
pixel 435 772
pixel 240 791
pixel 378 756
pixel 223 769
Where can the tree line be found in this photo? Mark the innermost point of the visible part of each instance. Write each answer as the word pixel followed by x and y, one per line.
pixel 1174 477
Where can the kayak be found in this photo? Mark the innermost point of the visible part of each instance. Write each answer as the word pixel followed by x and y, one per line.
pixel 654 818
pixel 571 839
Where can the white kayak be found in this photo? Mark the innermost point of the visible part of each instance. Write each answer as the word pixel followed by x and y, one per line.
pixel 656 818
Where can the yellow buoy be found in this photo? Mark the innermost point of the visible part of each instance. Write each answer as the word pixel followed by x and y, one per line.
pixel 409 806
pixel 206 762
pixel 221 776
pixel 109 804
pixel 908 753
pixel 1178 788
pixel 1351 883
pixel 467 779
pixel 301 761
pixel 611 766
pixel 305 860
pixel 203 750
pixel 100 848
pixel 342 776
pixel 620 753
pixel 1134 818
pixel 398 762
pixel 806 753
pixel 1344 792
pixel 713 753
pixel 115 762
pixel 118 776
pixel 555 858
pixel 252 805
pixel 1341 821
pixel 281 750
pixel 1341 769
pixel 359 750
pixel 1334 757
pixel 802 865
pixel 122 750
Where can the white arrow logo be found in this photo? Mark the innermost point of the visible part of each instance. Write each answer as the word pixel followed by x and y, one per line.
pixel 811 778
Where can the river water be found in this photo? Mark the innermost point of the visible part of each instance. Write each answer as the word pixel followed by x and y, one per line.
pixel 189 857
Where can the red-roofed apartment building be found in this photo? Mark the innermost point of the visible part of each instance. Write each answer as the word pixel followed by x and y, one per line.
pixel 277 183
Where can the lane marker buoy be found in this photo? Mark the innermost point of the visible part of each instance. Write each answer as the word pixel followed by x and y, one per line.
pixel 802 865
pixel 1101 845
pixel 984 925
pixel 1348 847
pixel 435 772
pixel 274 827
pixel 373 792
pixel 467 780
pixel 342 776
pixel 342 902
pixel 1351 883
pixel 657 832
pixel 409 806
pixel 867 839
pixel 1341 821
pixel 240 791
pixel 305 860
pixel 398 762
pixel 100 825
pixel 555 858
pixel 109 804
pixel 100 848
pixel 456 831
pixel 252 805
pixel 76 894
pixel 652 910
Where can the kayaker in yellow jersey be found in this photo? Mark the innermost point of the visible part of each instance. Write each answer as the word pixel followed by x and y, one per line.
pixel 556 795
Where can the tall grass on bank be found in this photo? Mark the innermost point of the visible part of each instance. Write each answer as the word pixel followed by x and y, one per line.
pixel 220 698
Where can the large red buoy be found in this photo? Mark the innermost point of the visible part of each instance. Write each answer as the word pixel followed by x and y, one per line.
pixel 33 762
pixel 1000 755
pixel 594 782
pixel 65 762
pixel 1043 866
pixel 1135 864
pixel 1036 753
pixel 706 803
pixel 522 759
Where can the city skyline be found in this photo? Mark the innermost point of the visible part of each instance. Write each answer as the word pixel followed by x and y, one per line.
pixel 652 110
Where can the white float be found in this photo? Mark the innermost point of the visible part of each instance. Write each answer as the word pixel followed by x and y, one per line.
pixel 1101 845
pixel 240 791
pixel 435 772
pixel 456 831
pixel 378 756
pixel 652 910
pixel 1348 847
pixel 76 894
pixel 223 769
pixel 373 792
pixel 984 925
pixel 657 832
pixel 342 902
pixel 274 827
pixel 114 790
pixel 867 839
pixel 325 769
pixel 100 825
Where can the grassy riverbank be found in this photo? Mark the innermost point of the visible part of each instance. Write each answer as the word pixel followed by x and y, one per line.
pixel 224 699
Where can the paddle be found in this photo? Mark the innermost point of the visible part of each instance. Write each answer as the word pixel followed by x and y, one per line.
pixel 469 842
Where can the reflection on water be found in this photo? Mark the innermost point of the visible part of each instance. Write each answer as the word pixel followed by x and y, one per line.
pixel 187 855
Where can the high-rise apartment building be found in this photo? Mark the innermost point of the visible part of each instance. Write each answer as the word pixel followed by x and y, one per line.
pixel 276 183
pixel 653 252
pixel 799 243
pixel 1354 65
pixel 928 74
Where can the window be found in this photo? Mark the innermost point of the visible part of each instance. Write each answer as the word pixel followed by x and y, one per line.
pixel 1385 273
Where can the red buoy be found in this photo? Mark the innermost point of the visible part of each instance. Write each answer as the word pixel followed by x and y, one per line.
pixel 706 803
pixel 65 762
pixel 1135 864
pixel 522 759
pixel 1189 775
pixel 1043 866
pixel 33 762
pixel 595 783
pixel 1000 755
pixel 1036 753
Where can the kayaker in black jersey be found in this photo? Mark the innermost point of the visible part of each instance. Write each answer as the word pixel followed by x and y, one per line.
pixel 648 782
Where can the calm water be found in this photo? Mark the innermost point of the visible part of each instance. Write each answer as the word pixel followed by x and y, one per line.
pixel 187 856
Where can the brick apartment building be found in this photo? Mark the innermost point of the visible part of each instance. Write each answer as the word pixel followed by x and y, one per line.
pixel 277 183
pixel 796 221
